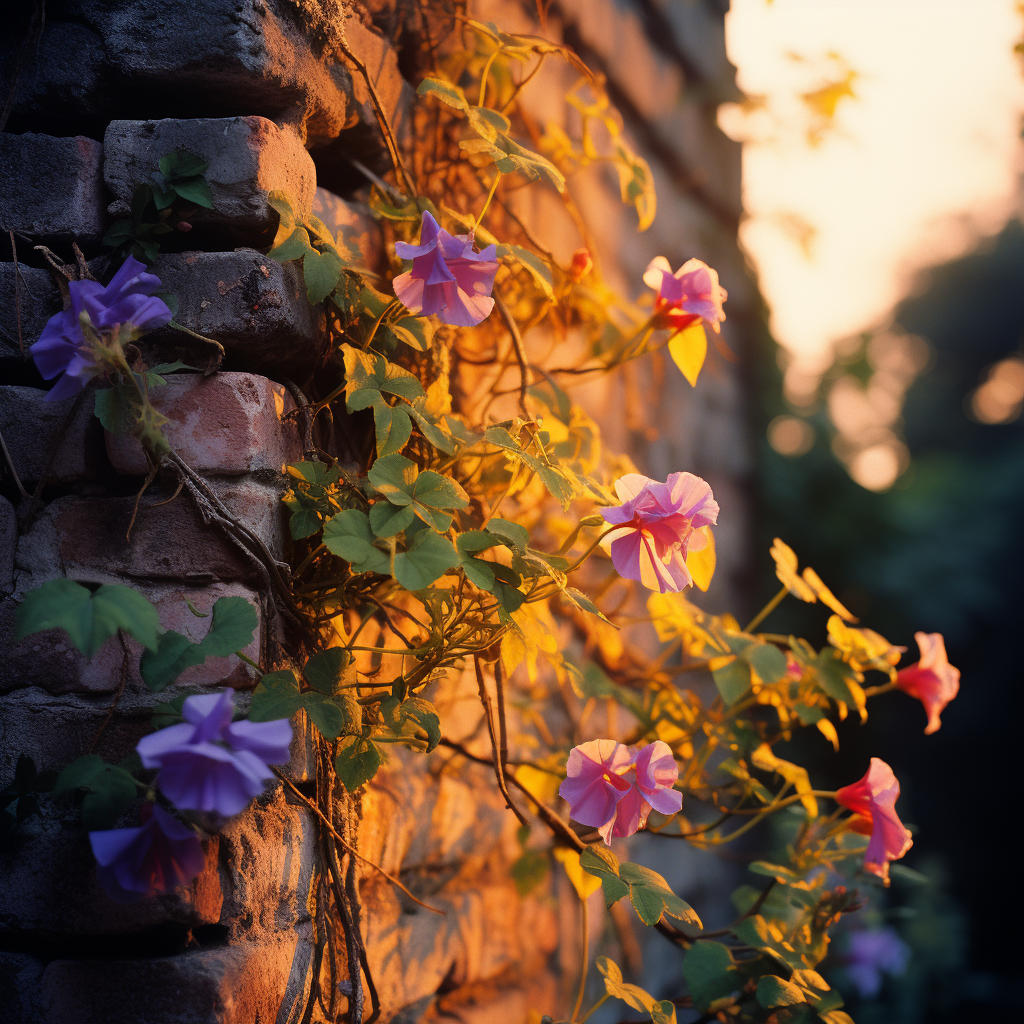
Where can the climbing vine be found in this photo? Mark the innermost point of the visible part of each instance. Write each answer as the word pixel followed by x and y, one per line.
pixel 455 512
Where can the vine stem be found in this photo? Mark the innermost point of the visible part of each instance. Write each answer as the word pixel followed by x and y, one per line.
pixel 586 959
pixel 520 350
pixel 487 202
pixel 334 832
pixel 766 610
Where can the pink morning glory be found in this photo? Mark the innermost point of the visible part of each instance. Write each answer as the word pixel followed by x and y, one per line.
pixel 933 681
pixel 209 763
pixel 613 789
pixel 447 278
pixel 127 302
pixel 157 857
pixel 658 523
pixel 873 802
pixel 692 293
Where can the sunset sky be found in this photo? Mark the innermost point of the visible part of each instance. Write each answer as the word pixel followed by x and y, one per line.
pixel 923 162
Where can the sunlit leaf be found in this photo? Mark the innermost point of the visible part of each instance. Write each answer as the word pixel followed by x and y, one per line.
pixel 688 349
pixel 701 563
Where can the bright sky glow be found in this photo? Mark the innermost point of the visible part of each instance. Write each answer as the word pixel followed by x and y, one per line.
pixel 926 160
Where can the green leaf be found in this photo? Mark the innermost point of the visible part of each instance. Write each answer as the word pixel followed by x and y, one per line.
pixel 558 487
pixel 710 973
pixel 603 864
pixel 321 271
pixel 386 519
pixel 357 761
pixel 832 675
pixel 109 789
pixel 637 184
pixel 394 476
pixel 401 482
pixel 515 536
pixel 331 715
pixel 429 556
pixel 732 680
pixel 304 523
pixel 114 411
pixel 430 428
pixel 632 995
pixel 393 427
pixel 276 696
pixel 348 535
pixel 173 655
pixel 194 190
pixel 414 331
pixel 767 661
pixel 293 247
pixel 773 991
pixel 538 267
pixel 529 870
pixel 445 92
pixel 651 896
pixel 89 618
pixel 182 163
pixel 327 671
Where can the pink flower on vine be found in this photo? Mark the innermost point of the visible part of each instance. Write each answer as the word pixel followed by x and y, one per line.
pixel 156 857
pixel 873 802
pixel 659 523
pixel 447 278
pixel 933 681
pixel 613 789
pixel 692 293
pixel 209 763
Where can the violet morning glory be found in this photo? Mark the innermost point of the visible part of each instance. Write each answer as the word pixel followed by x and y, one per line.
pixel 659 527
pixel 447 278
pixel 126 304
pixel 692 293
pixel 209 763
pixel 156 857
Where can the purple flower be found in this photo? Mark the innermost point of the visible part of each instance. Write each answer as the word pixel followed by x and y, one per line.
pixel 209 763
pixel 872 952
pixel 447 277
pixel 691 294
pixel 157 857
pixel 613 789
pixel 128 301
pixel 659 523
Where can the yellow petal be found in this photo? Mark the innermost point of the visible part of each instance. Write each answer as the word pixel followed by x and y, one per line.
pixel 702 563
pixel 828 730
pixel 785 569
pixel 688 349
pixel 826 597
pixel 582 882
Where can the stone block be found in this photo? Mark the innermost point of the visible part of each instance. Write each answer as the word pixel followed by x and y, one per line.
pixel 28 298
pixel 39 440
pixel 226 424
pixel 50 661
pixel 248 157
pixel 238 984
pixel 51 189
pixel 20 977
pixel 8 542
pixel 50 888
pixel 254 306
pixel 353 221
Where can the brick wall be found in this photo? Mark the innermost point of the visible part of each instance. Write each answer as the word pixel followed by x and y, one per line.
pixel 261 89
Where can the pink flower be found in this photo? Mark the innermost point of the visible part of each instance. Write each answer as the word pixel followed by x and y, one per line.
pixel 447 277
pixel 933 681
pixel 157 857
pixel 614 789
pixel 873 802
pixel 658 522
pixel 692 293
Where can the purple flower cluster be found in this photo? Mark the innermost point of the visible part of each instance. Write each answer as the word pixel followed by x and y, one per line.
pixel 128 301
pixel 447 278
pixel 209 763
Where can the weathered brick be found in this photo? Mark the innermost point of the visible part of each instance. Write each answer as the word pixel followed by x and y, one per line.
pixel 51 189
pixel 39 440
pixel 359 231
pixel 28 298
pixel 238 984
pixel 50 886
pixel 254 306
pixel 50 661
pixel 248 158
pixel 20 976
pixel 227 424
pixel 8 541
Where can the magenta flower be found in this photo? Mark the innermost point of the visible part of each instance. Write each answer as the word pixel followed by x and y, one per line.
pixel 872 952
pixel 447 277
pixel 658 523
pixel 873 802
pixel 209 763
pixel 933 681
pixel 613 789
pixel 692 293
pixel 157 857
pixel 127 302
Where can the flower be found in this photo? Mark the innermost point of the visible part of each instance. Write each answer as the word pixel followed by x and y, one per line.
pixel 128 301
pixel 581 265
pixel 659 521
pixel 614 789
pixel 692 293
pixel 873 802
pixel 157 857
pixel 447 277
pixel 872 951
pixel 209 763
pixel 933 681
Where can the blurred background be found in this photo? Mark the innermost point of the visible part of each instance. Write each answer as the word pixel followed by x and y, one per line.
pixel 882 167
